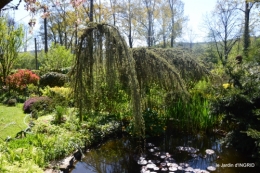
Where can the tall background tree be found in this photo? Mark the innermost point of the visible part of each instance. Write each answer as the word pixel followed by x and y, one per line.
pixel 150 7
pixel 129 11
pixel 224 27
pixel 177 19
pixel 11 39
pixel 164 20
pixel 58 59
pixel 248 5
pixel 62 23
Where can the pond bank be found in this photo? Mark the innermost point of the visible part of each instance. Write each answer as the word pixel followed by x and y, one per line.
pixel 68 163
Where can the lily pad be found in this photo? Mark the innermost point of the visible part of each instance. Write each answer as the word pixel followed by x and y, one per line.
pixel 210 151
pixel 211 168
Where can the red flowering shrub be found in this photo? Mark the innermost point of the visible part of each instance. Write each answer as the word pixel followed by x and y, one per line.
pixel 37 104
pixel 19 80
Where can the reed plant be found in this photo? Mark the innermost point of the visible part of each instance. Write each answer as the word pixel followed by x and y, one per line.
pixel 191 116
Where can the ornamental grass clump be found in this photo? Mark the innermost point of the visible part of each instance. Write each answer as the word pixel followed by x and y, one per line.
pixel 59 113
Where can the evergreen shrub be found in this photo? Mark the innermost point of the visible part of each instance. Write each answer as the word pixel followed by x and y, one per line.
pixel 11 102
pixel 53 79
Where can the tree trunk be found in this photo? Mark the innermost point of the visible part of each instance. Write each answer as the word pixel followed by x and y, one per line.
pixel 66 42
pixel 149 39
pixel 91 11
pixel 130 34
pixel 172 32
pixel 164 41
pixel 45 34
pixel 246 29
pixel 171 3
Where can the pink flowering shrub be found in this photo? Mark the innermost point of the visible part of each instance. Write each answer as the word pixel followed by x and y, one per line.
pixel 37 104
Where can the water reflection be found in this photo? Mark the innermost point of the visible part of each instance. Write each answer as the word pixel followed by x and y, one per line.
pixel 119 156
pixel 115 156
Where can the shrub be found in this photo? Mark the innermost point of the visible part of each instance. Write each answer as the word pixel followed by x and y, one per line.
pixel 59 112
pixel 240 105
pixel 63 70
pixel 32 90
pixel 53 79
pixel 152 128
pixel 11 102
pixel 37 104
pixel 60 95
pixel 57 58
pixel 19 80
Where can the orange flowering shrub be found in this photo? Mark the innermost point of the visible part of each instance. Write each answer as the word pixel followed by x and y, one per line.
pixel 19 80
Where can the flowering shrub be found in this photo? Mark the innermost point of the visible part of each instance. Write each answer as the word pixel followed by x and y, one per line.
pixel 37 104
pixel 227 85
pixel 34 6
pixel 76 3
pixel 19 80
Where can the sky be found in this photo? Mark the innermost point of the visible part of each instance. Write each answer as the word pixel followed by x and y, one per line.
pixel 194 9
pixel 20 15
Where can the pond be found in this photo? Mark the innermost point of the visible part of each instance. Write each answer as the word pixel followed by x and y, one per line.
pixel 189 152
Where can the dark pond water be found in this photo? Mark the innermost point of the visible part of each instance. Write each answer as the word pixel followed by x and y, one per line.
pixel 120 156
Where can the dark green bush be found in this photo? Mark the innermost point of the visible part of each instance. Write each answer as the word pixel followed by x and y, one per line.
pixel 11 102
pixel 63 70
pixel 53 79
pixel 240 106
pixel 154 124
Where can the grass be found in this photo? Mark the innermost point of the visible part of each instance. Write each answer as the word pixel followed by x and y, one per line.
pixel 48 141
pixel 11 120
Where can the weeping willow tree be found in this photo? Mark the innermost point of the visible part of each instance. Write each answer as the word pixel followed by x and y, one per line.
pixel 102 56
pixel 105 65
pixel 174 70
pixel 171 68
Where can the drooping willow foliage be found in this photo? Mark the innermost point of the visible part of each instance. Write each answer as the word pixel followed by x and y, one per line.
pixel 105 66
pixel 102 60
pixel 171 68
pixel 174 70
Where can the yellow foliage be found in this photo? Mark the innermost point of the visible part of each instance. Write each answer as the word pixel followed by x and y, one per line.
pixel 227 85
pixel 61 90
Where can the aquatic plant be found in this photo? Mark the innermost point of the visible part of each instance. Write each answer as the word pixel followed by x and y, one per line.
pixel 192 115
pixel 152 128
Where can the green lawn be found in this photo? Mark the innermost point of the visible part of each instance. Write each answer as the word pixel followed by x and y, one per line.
pixel 12 120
